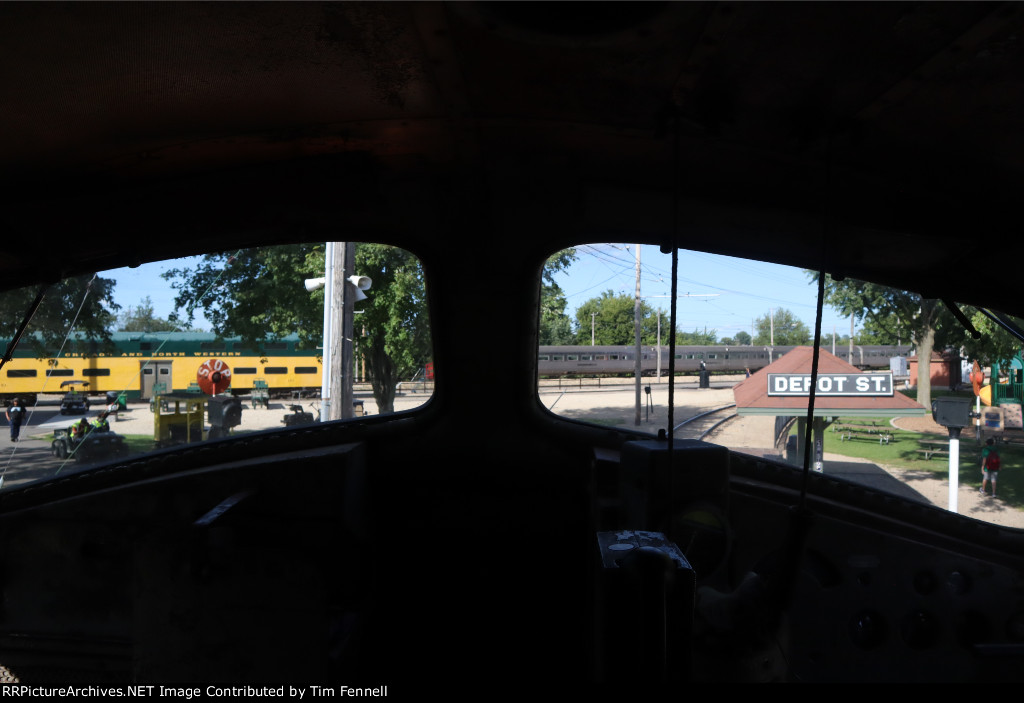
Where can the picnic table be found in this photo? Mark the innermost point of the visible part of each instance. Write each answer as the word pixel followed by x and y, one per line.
pixel 931 447
pixel 848 431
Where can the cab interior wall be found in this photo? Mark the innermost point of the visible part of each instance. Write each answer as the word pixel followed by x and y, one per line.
pixel 456 543
pixel 453 517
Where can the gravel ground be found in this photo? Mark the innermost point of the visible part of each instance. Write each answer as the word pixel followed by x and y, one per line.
pixel 617 407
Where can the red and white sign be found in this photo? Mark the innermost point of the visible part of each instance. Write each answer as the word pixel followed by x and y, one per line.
pixel 214 376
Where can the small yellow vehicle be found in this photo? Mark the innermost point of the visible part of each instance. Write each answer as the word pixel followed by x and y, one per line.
pixel 179 418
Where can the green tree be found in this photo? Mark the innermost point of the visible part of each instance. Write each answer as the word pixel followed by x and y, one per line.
pixel 555 325
pixel 253 293
pixel 780 327
pixel 141 318
pixel 612 318
pixel 258 294
pixel 82 305
pixel 839 341
pixel 393 327
pixel 996 345
pixel 889 314
pixel 697 337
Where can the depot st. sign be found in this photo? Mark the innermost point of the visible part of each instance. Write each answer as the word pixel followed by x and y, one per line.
pixel 848 384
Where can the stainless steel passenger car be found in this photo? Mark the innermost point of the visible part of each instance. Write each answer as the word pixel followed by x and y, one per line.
pixel 596 360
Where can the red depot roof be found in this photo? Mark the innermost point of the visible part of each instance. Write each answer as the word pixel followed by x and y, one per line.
pixel 752 394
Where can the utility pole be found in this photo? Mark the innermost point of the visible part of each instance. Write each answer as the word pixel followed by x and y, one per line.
pixel 341 292
pixel 328 356
pixel 659 344
pixel 341 305
pixel 850 359
pixel 348 331
pixel 638 364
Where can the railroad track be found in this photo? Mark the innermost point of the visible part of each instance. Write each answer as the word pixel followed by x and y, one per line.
pixel 700 426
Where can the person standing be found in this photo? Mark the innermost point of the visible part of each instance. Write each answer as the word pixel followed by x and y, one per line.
pixel 15 416
pixel 989 466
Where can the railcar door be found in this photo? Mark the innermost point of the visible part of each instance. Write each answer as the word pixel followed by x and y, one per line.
pixel 153 373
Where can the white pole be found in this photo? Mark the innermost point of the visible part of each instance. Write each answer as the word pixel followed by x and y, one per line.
pixel 954 472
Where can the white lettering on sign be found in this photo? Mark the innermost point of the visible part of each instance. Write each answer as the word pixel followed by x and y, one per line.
pixel 831 384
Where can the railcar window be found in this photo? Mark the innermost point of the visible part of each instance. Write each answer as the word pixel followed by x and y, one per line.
pixel 247 324
pixel 743 348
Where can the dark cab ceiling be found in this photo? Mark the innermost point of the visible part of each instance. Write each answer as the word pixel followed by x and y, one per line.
pixel 880 140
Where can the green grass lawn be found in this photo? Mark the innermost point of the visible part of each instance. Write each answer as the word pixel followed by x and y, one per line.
pixel 139 443
pixel 902 452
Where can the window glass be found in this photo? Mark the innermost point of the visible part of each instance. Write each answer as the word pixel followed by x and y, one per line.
pixel 162 339
pixel 742 363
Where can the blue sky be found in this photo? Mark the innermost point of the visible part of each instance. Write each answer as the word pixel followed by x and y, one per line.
pixel 135 284
pixel 719 292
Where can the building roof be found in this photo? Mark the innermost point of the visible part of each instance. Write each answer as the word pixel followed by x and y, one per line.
pixel 752 394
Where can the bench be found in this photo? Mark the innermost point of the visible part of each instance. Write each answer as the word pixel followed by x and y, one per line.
pixel 1012 440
